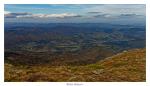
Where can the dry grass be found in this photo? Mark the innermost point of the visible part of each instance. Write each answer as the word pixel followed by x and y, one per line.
pixel 126 66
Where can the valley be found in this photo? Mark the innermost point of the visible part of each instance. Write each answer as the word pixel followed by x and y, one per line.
pixel 74 52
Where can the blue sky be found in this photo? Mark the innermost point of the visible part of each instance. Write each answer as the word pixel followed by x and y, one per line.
pixel 75 13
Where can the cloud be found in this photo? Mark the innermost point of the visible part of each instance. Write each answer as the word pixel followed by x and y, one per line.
pixel 94 12
pixel 114 9
pixel 15 15
pixel 118 16
pixel 103 16
pixel 6 12
pixel 30 15
pixel 129 15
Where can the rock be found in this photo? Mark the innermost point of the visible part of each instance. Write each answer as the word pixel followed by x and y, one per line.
pixel 99 71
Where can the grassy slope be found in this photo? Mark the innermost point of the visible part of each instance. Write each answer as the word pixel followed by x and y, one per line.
pixel 125 66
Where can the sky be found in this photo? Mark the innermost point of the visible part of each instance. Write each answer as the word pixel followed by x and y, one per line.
pixel 75 13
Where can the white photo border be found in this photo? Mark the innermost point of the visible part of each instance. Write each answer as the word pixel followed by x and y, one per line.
pixel 146 2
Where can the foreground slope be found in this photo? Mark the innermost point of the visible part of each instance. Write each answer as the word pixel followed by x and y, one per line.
pixel 126 66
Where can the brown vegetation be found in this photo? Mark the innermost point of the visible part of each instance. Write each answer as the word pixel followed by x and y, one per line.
pixel 126 66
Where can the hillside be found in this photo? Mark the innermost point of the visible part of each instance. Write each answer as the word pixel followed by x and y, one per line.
pixel 126 66
pixel 84 57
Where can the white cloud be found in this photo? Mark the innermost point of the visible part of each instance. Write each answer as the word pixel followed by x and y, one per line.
pixel 119 9
pixel 6 12
pixel 29 15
